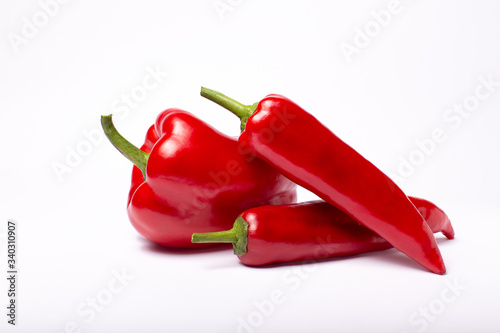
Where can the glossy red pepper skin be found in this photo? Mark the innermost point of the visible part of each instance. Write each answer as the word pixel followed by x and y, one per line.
pixel 197 178
pixel 308 153
pixel 316 230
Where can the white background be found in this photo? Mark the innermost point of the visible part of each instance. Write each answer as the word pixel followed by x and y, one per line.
pixel 74 234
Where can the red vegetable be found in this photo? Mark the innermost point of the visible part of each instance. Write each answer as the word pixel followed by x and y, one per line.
pixel 190 177
pixel 308 231
pixel 304 150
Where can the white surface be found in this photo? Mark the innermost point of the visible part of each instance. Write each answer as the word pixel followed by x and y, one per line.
pixel 74 234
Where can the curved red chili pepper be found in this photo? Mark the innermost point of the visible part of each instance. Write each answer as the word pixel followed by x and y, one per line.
pixel 308 231
pixel 188 177
pixel 305 151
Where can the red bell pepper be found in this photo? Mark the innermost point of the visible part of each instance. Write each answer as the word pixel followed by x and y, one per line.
pixel 283 134
pixel 189 177
pixel 308 231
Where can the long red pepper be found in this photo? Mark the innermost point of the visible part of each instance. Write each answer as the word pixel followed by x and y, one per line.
pixel 189 177
pixel 283 134
pixel 308 231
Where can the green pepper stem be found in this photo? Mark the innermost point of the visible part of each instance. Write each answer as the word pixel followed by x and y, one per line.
pixel 134 154
pixel 226 236
pixel 238 236
pixel 240 110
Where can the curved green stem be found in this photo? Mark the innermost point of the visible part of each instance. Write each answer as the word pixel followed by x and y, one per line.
pixel 240 110
pixel 134 154
pixel 238 236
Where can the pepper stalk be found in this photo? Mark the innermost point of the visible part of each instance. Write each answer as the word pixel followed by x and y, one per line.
pixel 238 236
pixel 240 110
pixel 131 152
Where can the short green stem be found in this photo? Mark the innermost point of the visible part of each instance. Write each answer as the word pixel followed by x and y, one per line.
pixel 134 154
pixel 238 236
pixel 242 111
pixel 226 236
